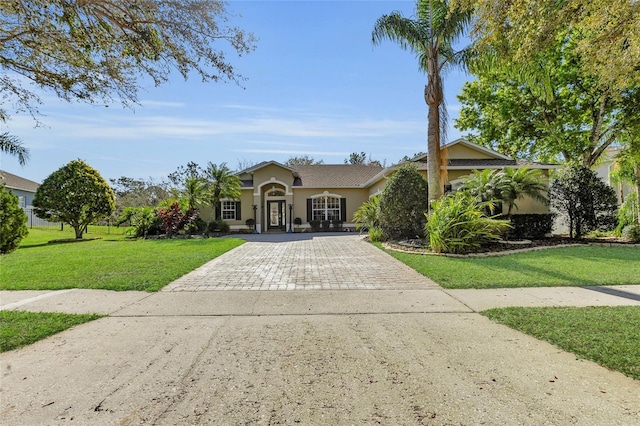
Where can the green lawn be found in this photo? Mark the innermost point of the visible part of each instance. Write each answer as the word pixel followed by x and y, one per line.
pixel 554 267
pixel 111 263
pixel 18 329
pixel 609 336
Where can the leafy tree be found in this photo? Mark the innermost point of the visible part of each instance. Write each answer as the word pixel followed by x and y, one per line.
pixel 222 183
pixel 605 32
pixel 368 215
pixel 191 171
pixel 133 193
pixel 95 50
pixel 584 199
pixel 431 37
pixel 403 204
pixel 574 121
pixel 75 194
pixel 303 160
pixel 10 144
pixel 407 158
pixel 356 158
pixel 457 223
pixel 12 221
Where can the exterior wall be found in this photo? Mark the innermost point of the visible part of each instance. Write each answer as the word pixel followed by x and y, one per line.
pixel 272 174
pixel 355 197
pixel 28 197
pixel 463 152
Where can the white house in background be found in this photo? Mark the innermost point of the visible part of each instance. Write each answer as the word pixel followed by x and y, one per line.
pixel 606 166
pixel 25 189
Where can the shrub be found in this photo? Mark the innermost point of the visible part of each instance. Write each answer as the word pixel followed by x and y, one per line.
pixel 325 225
pixel 457 223
pixel 337 225
pixel 586 202
pixel 144 220
pixel 197 227
pixel 315 225
pixel 632 233
pixel 250 222
pixel 628 213
pixel 174 220
pixel 403 204
pixel 219 225
pixel 376 234
pixel 368 215
pixel 12 221
pixel 534 226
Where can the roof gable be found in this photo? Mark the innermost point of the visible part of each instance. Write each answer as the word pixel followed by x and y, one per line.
pixel 16 182
pixel 482 151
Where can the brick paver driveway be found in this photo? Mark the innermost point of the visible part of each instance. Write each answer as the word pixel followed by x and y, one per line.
pixel 302 262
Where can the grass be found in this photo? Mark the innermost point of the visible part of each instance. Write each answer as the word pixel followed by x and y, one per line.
pixel 554 267
pixel 18 328
pixel 111 263
pixel 609 336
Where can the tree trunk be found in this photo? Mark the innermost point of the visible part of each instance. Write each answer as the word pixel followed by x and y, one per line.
pixel 79 229
pixel 636 171
pixel 433 97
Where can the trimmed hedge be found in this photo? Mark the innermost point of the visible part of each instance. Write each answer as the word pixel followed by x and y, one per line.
pixel 530 226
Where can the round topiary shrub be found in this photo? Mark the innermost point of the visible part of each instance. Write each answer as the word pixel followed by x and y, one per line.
pixel 12 222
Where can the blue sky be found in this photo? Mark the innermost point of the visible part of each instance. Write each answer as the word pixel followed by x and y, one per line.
pixel 315 86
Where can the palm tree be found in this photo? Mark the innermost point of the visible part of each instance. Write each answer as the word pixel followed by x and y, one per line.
pixel 222 184
pixel 485 186
pixel 430 37
pixel 516 183
pixel 11 145
pixel 195 191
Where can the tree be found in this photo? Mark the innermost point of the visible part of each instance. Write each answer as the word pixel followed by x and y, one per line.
pixel 11 145
pixel 516 183
pixel 356 158
pixel 222 183
pixel 605 31
pixel 133 193
pixel 303 160
pixel 587 202
pixel 75 194
pixel 403 204
pixel 195 191
pixel 12 221
pixel 191 171
pixel 430 37
pixel 574 121
pixel 97 50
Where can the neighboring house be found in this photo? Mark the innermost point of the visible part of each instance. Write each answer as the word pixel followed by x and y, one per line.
pixel 274 194
pixel 25 189
pixel 606 165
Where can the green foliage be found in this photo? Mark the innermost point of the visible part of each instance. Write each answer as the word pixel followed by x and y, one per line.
pixel 12 221
pixel 336 224
pixel 628 213
pixel 632 233
pixel 303 160
pixel 534 226
pixel 457 224
pixel 75 194
pixel 197 227
pixel 11 145
pixel 376 234
pixel 585 201
pixel 174 219
pixel 368 215
pixel 221 183
pixel 218 225
pixel 18 328
pixel 137 193
pixel 403 204
pixel 315 225
pixel 607 335
pixel 144 220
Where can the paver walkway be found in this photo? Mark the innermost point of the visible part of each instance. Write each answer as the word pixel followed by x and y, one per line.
pixel 274 262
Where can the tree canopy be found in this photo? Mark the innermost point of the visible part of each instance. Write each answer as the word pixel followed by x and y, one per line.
pixel 303 160
pixel 98 50
pixel 75 194
pixel 605 31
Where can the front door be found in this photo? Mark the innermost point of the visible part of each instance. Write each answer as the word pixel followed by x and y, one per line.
pixel 275 210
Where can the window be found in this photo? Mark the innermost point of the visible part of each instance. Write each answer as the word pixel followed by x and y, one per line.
pixel 22 201
pixel 325 208
pixel 228 210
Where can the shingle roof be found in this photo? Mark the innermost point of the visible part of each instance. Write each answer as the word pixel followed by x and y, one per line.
pixel 484 162
pixel 335 175
pixel 16 182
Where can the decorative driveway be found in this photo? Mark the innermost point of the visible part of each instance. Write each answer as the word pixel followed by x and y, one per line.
pixel 303 262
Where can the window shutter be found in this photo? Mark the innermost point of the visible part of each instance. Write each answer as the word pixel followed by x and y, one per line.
pixel 343 209
pixel 238 211
pixel 309 210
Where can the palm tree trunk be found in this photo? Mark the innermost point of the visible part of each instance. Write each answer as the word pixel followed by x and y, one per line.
pixel 433 96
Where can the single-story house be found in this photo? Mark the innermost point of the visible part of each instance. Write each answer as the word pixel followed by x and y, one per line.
pixel 274 194
pixel 25 189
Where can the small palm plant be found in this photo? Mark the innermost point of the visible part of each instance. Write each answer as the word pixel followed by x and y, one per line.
pixel 457 223
pixel 367 217
pixel 516 183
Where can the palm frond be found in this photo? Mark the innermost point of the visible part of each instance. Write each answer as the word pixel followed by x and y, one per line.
pixel 12 145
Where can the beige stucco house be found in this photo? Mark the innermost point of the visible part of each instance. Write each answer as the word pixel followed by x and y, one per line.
pixel 274 194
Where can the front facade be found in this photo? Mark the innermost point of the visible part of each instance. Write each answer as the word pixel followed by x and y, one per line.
pixel 276 196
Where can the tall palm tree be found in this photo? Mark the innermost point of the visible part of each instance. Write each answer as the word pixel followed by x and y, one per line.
pixel 430 36
pixel 222 184
pixel 195 191
pixel 11 145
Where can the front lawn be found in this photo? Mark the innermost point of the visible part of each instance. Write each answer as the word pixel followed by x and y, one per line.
pixel 18 329
pixel 609 336
pixel 554 267
pixel 109 264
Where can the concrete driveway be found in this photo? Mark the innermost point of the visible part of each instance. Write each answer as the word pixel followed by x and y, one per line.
pixel 354 347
